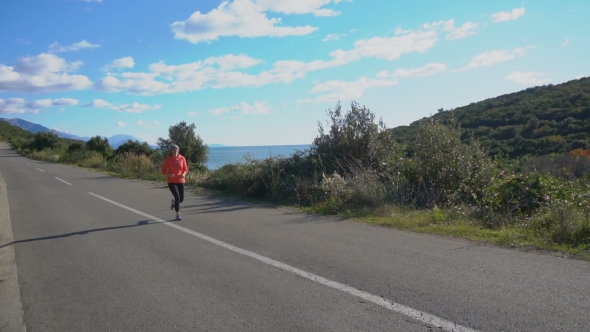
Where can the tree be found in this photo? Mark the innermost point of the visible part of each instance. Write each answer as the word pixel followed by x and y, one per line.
pixel 353 135
pixel 191 146
pixel 76 146
pixel 100 145
pixel 43 140
pixel 135 147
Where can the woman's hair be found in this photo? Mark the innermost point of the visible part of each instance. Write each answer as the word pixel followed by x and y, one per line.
pixel 173 146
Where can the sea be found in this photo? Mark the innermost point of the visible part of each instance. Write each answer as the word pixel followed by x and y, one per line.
pixel 219 156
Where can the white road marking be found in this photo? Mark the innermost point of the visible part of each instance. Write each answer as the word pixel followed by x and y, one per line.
pixel 63 181
pixel 396 307
pixel 39 169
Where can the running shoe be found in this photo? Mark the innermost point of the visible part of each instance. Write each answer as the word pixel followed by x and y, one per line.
pixel 178 217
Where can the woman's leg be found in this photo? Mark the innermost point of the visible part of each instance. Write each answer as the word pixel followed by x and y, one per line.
pixel 174 190
pixel 180 187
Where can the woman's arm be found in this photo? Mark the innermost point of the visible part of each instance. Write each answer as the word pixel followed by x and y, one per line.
pixel 165 167
pixel 184 167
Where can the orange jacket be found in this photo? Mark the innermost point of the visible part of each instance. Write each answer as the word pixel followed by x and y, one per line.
pixel 177 166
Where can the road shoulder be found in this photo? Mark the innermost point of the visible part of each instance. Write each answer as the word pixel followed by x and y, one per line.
pixel 11 314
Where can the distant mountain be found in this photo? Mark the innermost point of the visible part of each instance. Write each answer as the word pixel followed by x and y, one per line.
pixel 117 140
pixel 215 145
pixel 35 128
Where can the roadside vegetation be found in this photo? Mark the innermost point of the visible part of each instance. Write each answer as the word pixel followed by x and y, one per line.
pixel 437 175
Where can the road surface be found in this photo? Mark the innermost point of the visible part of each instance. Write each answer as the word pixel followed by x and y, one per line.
pixel 95 253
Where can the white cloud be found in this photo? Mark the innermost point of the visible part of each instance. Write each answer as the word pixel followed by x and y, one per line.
pixel 333 36
pixel 467 29
pixel 567 41
pixel 56 47
pixel 527 78
pixel 259 107
pixel 21 106
pixel 42 73
pixel 126 62
pixel 193 113
pixel 496 56
pixel 340 90
pixel 427 70
pixel 244 18
pixel 64 102
pixel 147 124
pixel 121 124
pixel 508 16
pixel 298 7
pixel 224 72
pixel 129 108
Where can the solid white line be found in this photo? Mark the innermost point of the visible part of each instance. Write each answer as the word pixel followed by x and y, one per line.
pixel 40 169
pixel 63 181
pixel 399 308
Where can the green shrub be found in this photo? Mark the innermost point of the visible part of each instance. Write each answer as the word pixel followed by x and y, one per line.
pixel 135 166
pixel 443 170
pixel 43 140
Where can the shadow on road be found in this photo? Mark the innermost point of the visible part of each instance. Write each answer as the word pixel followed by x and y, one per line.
pixel 218 206
pixel 85 232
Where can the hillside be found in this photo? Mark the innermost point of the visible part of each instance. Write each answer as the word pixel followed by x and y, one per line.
pixel 8 131
pixel 536 121
pixel 35 128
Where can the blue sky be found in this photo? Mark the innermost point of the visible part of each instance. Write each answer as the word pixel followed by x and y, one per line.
pixel 263 72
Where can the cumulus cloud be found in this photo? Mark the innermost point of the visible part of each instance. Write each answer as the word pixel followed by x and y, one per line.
pixel 341 90
pixel 467 29
pixel 508 16
pixel 42 73
pixel 333 36
pixel 147 124
pixel 226 71
pixel 427 70
pixel 129 108
pixel 298 7
pixel 496 56
pixel 56 47
pixel 567 41
pixel 259 107
pixel 247 18
pixel 121 124
pixel 126 62
pixel 527 78
pixel 448 26
pixel 21 106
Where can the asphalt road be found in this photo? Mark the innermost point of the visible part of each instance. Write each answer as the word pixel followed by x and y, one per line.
pixel 97 253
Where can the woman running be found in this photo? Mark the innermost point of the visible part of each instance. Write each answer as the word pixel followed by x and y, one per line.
pixel 175 168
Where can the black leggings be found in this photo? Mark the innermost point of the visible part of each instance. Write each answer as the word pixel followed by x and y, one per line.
pixel 177 190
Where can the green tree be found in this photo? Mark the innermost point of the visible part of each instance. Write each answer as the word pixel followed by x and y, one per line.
pixel 191 145
pixel 353 135
pixel 43 140
pixel 76 146
pixel 100 145
pixel 135 147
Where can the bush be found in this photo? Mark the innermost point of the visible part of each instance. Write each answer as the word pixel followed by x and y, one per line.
pixel 135 147
pixel 100 145
pixel 136 166
pixel 43 140
pixel 443 170
pixel 353 135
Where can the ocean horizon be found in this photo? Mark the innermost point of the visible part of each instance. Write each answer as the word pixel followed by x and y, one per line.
pixel 223 155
